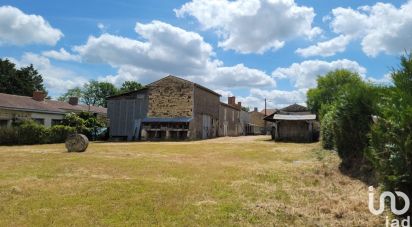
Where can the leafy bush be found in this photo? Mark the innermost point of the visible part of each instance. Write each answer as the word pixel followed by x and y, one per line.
pixel 75 121
pixel 30 132
pixel 328 89
pixel 59 133
pixel 8 136
pixel 391 136
pixel 85 122
pixel 328 140
pixel 352 123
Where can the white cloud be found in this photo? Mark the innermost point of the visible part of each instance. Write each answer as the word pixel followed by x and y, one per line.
pixel 381 27
pixel 275 98
pixel 304 74
pixel 61 55
pixel 168 50
pixel 57 80
pixel 131 73
pixel 385 80
pixel 235 76
pixel 19 28
pixel 326 48
pixel 253 26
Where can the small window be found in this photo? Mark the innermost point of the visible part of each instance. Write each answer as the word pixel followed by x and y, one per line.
pixel 39 120
pixel 56 122
pixel 4 123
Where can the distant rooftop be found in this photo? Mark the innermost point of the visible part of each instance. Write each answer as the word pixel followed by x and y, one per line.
pixel 26 103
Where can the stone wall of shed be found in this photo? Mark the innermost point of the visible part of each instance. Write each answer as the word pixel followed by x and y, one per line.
pixel 256 118
pixel 170 97
pixel 296 131
pixel 205 103
pixel 231 117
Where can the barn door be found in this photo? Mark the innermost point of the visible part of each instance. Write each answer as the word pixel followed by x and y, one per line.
pixel 206 126
pixel 225 128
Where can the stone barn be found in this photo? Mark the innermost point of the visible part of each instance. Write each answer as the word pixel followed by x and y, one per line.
pixel 295 124
pixel 168 109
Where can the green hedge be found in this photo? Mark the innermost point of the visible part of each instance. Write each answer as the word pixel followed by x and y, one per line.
pixel 30 132
pixel 328 140
pixel 59 133
pixel 8 136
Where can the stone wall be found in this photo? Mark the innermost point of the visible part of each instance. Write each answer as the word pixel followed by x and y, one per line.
pixel 256 118
pixel 170 97
pixel 229 123
pixel 205 103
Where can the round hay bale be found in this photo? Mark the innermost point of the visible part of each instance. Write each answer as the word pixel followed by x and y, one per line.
pixel 76 143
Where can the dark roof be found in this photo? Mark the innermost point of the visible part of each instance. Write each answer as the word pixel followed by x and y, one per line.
pixel 295 108
pixel 80 107
pixel 127 93
pixel 167 119
pixel 26 103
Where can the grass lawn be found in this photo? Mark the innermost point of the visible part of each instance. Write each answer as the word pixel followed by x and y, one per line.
pixel 224 181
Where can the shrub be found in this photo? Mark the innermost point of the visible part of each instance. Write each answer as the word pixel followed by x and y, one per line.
pixel 391 136
pixel 30 132
pixel 328 140
pixel 352 124
pixel 59 133
pixel 85 123
pixel 8 136
pixel 328 89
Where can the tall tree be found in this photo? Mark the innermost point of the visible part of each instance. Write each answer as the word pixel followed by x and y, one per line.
pixel 95 93
pixel 23 81
pixel 329 87
pixel 130 86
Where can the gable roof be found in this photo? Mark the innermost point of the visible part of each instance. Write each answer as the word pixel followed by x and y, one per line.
pixel 128 93
pixel 187 81
pixel 295 108
pixel 26 103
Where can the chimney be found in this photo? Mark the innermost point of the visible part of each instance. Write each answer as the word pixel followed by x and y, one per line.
pixel 239 104
pixel 73 101
pixel 231 100
pixel 39 95
pixel 255 110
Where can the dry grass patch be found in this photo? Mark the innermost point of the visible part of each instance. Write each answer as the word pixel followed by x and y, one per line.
pixel 224 181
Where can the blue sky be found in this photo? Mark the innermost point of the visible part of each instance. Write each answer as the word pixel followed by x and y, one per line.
pixel 253 49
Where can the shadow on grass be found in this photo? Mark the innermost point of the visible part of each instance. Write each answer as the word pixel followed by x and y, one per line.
pixel 360 170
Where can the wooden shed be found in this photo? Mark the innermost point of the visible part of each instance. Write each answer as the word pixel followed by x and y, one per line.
pixel 295 124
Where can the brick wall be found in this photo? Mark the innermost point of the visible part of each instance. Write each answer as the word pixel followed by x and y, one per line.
pixel 170 97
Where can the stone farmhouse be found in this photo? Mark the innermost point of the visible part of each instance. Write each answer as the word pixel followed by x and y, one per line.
pixel 172 109
pixel 44 111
